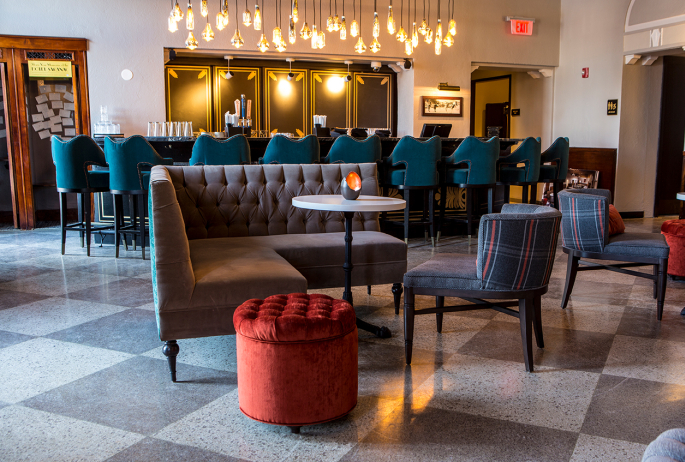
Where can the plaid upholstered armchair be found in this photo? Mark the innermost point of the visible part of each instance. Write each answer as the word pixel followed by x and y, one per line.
pixel 585 234
pixel 513 264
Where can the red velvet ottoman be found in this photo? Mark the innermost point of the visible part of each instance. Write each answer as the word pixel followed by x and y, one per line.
pixel 297 359
pixel 674 232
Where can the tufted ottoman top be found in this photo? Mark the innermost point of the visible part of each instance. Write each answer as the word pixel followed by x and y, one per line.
pixel 294 318
pixel 674 227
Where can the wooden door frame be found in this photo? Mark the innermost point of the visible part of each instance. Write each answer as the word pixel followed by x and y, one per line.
pixel 4 82
pixel 472 122
pixel 13 51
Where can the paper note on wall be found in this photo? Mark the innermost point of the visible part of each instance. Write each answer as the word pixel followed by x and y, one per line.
pixel 56 128
pixel 44 88
pixel 69 132
pixel 3 133
pixel 2 120
pixel 41 126
pixel 69 106
pixel 61 88
pixel 54 97
pixel 69 97
pixel 68 122
pixel 63 113
pixel 57 105
pixel 42 107
pixel 40 99
pixel 37 117
pixel 48 113
pixel 44 134
pixel 55 120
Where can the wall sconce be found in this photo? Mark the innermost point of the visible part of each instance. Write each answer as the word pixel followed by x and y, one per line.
pixel 444 86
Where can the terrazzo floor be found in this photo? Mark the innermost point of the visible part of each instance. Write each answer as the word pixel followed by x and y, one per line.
pixel 84 378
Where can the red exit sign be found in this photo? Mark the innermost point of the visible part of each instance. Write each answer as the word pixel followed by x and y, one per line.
pixel 522 26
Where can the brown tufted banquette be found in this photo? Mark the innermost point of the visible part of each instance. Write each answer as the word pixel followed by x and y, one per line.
pixel 221 235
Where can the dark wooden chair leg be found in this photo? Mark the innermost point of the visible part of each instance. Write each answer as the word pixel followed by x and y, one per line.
pixel 537 321
pixel 439 303
pixel 63 219
pixel 431 214
pixel 87 219
pixel 443 202
pixel 170 350
pixel 524 194
pixel 526 315
pixel 368 290
pixel 507 193
pixel 555 191
pixel 423 215
pixel 408 323
pixel 656 280
pixel 295 430
pixel 571 271
pixel 118 213
pixel 534 193
pixel 469 213
pixel 663 271
pixel 397 293
pixel 406 216
pixel 142 207
pixel 133 207
pixel 81 211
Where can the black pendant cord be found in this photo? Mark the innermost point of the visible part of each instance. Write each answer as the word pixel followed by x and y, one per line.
pixel 429 11
pixel 360 18
pixel 305 11
pixel 237 23
pixel 401 13
pixel 343 8
pixel 320 23
pixel 336 7
pixel 438 10
pixel 354 10
pixel 330 7
pixel 424 8
pixel 314 3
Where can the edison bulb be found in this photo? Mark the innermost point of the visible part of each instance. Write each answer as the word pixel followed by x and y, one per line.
pixel 263 44
pixel 329 24
pixel 452 25
pixel 276 35
pixel 360 47
pixel 305 32
pixel 375 45
pixel 391 21
pixel 438 38
pixel 414 37
pixel 315 36
pixel 376 25
pixel 190 18
pixel 408 48
pixel 237 40
pixel 204 10
pixel 423 27
pixel 292 34
pixel 191 42
pixel 401 35
pixel 296 12
pixel 336 23
pixel 208 33
pixel 173 25
pixel 247 17
pixel 449 41
pixel 354 28
pixel 343 29
pixel 322 40
pixel 220 21
pixel 178 12
pixel 257 18
pixel 428 37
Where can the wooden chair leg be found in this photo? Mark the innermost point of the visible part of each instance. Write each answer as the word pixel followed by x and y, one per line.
pixel 133 207
pixel 507 193
pixel 81 211
pixel 524 194
pixel 63 219
pixel 86 199
pixel 118 213
pixel 526 315
pixel 555 191
pixel 571 271
pixel 368 290
pixel 533 193
pixel 406 216
pixel 663 271
pixel 655 271
pixel 142 207
pixel 423 215
pixel 469 213
pixel 408 323
pixel 443 202
pixel 431 214
pixel 537 321
pixel 397 294
pixel 439 303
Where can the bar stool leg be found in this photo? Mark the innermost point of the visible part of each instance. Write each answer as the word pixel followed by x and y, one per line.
pixel 431 214
pixel 86 198
pixel 80 216
pixel 133 207
pixel 534 193
pixel 423 215
pixel 443 202
pixel 406 216
pixel 141 222
pixel 469 213
pixel 118 213
pixel 555 191
pixel 63 218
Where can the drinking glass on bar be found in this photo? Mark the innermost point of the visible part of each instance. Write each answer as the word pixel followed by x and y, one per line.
pixel 156 131
pixel 187 129
pixel 164 129
pixel 150 128
pixel 169 128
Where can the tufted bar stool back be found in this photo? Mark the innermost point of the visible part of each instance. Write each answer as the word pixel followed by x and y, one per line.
pixel 256 200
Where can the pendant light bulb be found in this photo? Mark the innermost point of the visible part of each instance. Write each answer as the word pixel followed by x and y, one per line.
pixel 448 41
pixel 354 28
pixel 306 32
pixel 423 27
pixel 237 40
pixel 225 15
pixel 315 36
pixel 452 25
pixel 438 38
pixel 276 35
pixel 178 12
pixel 376 25
pixel 360 47
pixel 204 9
pixel 208 33
pixel 321 42
pixel 375 45
pixel 408 48
pixel 401 35
pixel 296 12
pixel 220 21
pixel 190 18
pixel 292 34
pixel 336 23
pixel 247 17
pixel 414 37
pixel 280 46
pixel 172 24
pixel 428 37
pixel 343 29
pixel 257 18
pixel 191 42
pixel 263 44
pixel 391 21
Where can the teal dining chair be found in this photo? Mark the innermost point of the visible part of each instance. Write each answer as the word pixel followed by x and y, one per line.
pixel 413 165
pixel 130 160
pixel 72 158
pixel 348 150
pixel 472 166
pixel 510 174
pixel 554 166
pixel 208 150
pixel 283 150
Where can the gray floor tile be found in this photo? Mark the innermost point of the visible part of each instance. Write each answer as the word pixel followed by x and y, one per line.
pixel 419 432
pixel 637 322
pixel 564 349
pixel 634 410
pixel 647 359
pixel 137 395
pixel 11 338
pixel 154 450
pixel 132 331
pixel 11 272
pixel 118 267
pixel 58 282
pixel 213 352
pixel 596 448
pixel 129 292
pixel 23 252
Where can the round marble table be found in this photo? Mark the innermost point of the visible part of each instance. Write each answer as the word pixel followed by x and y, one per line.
pixel 336 203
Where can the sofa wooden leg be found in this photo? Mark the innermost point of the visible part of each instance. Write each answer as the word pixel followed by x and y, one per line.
pixel 397 292
pixel 439 303
pixel 368 290
pixel 526 315
pixel 661 292
pixel 295 430
pixel 571 271
pixel 170 350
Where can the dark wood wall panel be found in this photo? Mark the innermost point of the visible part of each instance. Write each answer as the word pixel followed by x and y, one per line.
pixel 189 95
pixel 245 81
pixel 331 97
pixel 373 100
pixel 600 159
pixel 286 101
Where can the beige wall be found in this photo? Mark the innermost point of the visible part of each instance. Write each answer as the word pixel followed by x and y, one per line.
pixel 131 34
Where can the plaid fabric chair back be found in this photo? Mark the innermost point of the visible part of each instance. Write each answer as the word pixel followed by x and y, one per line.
pixel 585 222
pixel 516 248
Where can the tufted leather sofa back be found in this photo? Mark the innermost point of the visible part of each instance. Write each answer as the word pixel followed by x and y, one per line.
pixel 256 200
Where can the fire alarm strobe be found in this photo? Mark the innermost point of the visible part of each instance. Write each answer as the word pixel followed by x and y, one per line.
pixel 586 72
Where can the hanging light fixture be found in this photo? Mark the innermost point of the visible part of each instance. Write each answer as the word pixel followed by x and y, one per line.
pixel 277 35
pixel 247 16
pixel 376 23
pixel 321 40
pixel 408 48
pixel 225 13
pixel 204 10
pixel 296 11
pixel 257 18
pixel 329 21
pixel 315 33
pixel 424 24
pixel 305 32
pixel 191 42
pixel 414 32
pixel 391 20
pixel 208 33
pixel 172 23
pixel 263 44
pixel 452 25
pixel 336 18
pixel 190 18
pixel 360 47
pixel 280 45
pixel 220 17
pixel 237 41
pixel 438 34
pixel 354 27
pixel 343 25
pixel 428 35
pixel 177 12
pixel 401 34
pixel 292 34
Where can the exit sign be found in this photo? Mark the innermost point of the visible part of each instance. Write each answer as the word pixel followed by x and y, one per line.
pixel 521 27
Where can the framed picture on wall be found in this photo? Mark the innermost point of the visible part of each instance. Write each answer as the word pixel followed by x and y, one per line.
pixel 442 106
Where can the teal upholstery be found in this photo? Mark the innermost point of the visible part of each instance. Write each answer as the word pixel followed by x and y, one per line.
pixel 282 150
pixel 130 161
pixel 209 151
pixel 348 150
pixel 527 153
pixel 558 154
pixel 72 158
pixel 414 162
pixel 480 158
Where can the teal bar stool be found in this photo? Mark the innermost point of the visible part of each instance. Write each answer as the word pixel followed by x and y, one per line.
pixel 413 165
pixel 472 166
pixel 348 150
pixel 283 150
pixel 72 159
pixel 209 151
pixel 528 153
pixel 130 161
pixel 555 173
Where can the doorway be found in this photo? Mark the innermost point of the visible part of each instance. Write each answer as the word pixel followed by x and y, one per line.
pixel 490 103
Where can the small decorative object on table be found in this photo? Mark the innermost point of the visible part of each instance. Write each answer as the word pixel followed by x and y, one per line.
pixel 351 186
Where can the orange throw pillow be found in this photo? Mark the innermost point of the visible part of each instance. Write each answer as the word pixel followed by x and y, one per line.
pixel 616 225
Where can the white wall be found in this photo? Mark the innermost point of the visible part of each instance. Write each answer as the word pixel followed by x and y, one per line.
pixel 132 34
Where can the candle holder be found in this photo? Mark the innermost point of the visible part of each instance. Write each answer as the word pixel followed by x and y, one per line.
pixel 351 186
